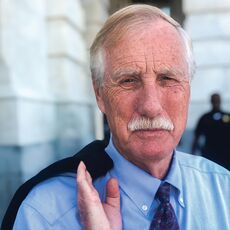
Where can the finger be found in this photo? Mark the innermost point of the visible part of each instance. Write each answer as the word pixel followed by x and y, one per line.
pixel 81 169
pixel 87 194
pixel 113 193
pixel 88 178
pixel 91 211
pixel 81 174
pixel 83 180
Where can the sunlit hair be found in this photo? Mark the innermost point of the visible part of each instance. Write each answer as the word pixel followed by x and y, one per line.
pixel 143 123
pixel 128 19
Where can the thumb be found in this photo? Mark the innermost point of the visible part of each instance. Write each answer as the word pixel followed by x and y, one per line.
pixel 113 193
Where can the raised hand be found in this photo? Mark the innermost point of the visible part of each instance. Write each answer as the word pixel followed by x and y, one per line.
pixel 96 215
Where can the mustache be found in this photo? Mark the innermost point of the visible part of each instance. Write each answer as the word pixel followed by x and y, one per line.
pixel 146 123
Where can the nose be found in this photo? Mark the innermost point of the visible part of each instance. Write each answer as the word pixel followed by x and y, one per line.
pixel 150 101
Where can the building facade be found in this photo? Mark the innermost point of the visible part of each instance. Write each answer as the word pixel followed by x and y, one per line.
pixel 48 110
pixel 47 106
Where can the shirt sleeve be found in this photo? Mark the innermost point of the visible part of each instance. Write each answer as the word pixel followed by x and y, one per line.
pixel 52 205
pixel 28 218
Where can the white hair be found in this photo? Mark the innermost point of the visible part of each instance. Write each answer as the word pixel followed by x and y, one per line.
pixel 120 22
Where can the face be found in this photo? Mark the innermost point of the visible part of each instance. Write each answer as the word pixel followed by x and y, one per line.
pixel 146 76
pixel 215 100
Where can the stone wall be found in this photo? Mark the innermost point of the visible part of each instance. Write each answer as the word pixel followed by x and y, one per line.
pixel 207 22
pixel 48 110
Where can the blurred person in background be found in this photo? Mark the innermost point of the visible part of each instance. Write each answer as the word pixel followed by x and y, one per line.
pixel 214 128
pixel 142 66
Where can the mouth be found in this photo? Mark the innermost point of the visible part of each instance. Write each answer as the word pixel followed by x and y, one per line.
pixel 150 133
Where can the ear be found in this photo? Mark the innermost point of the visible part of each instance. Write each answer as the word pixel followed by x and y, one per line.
pixel 99 96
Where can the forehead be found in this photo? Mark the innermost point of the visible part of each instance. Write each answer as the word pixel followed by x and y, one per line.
pixel 154 45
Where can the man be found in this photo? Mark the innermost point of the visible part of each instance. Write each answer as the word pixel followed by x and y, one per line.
pixel 142 65
pixel 214 126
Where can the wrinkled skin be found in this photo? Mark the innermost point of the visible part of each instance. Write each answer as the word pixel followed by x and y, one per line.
pixel 146 75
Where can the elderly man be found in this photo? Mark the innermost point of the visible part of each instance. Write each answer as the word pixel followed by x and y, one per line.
pixel 142 65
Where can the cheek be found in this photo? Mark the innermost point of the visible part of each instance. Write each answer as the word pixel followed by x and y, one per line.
pixel 119 106
pixel 118 98
pixel 177 104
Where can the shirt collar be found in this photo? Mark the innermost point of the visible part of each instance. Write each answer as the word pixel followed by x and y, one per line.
pixel 135 181
pixel 174 178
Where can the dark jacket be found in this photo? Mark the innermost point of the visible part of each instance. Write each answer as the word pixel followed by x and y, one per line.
pixel 95 159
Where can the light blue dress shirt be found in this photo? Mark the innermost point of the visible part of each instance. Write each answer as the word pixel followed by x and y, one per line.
pixel 200 196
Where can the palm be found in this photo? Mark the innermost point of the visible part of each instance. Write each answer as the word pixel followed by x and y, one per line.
pixel 94 214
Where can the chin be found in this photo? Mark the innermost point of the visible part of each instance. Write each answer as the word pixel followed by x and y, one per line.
pixel 152 151
pixel 159 142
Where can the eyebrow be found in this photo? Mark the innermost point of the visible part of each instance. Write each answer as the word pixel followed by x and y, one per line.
pixel 166 70
pixel 121 72
pixel 131 71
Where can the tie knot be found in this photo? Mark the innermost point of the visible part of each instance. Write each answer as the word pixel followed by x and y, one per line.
pixel 163 193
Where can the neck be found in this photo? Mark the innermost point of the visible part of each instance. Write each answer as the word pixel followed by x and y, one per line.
pixel 216 109
pixel 158 168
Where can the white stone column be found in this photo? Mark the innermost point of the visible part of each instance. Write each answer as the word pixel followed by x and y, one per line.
pixel 26 105
pixel 207 22
pixel 96 12
pixel 69 77
pixel 27 112
pixel 46 98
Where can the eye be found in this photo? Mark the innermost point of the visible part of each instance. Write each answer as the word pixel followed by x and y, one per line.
pixel 129 82
pixel 167 80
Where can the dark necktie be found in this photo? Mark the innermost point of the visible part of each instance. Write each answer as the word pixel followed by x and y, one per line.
pixel 164 218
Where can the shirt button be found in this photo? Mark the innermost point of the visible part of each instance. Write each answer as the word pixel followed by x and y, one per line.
pixel 144 207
